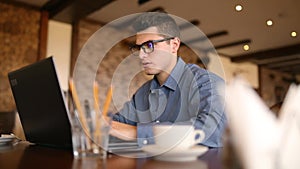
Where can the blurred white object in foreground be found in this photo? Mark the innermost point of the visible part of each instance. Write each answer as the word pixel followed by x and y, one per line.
pixel 262 141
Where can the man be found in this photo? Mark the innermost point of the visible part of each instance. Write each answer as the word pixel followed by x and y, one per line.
pixel 178 93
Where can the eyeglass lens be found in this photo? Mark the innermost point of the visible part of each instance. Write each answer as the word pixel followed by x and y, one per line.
pixel 147 46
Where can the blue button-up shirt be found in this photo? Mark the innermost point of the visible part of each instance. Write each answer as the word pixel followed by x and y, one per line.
pixel 190 95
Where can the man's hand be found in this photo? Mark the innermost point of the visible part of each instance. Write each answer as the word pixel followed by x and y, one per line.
pixel 123 131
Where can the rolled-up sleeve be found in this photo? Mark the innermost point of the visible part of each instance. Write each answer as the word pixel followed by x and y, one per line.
pixel 145 134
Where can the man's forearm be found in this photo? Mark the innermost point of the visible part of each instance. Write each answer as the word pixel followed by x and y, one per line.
pixel 123 131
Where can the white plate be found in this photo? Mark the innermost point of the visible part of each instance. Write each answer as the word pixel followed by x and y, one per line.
pixel 6 139
pixel 175 155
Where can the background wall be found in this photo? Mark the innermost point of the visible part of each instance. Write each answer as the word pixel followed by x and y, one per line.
pixel 19 43
pixel 59 46
pixel 249 71
pixel 19 39
pixel 274 86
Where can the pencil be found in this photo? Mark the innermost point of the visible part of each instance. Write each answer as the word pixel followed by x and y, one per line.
pixel 96 95
pixel 107 102
pixel 97 110
pixel 78 106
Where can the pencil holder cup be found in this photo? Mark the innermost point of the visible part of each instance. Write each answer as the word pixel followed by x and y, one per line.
pixel 91 139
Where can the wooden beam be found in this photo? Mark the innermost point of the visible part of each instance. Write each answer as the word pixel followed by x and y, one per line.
pixel 271 53
pixel 43 35
pixel 294 70
pixel 194 22
pixel 278 59
pixel 74 46
pixel 240 42
pixel 208 36
pixel 56 6
pixel 290 68
pixel 126 23
pixel 141 2
pixel 70 11
pixel 157 9
pixel 285 63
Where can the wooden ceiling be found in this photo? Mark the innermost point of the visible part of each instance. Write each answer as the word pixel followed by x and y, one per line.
pixel 227 30
pixel 284 59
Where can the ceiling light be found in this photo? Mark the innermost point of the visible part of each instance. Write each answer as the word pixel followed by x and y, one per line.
pixel 269 22
pixel 293 34
pixel 246 47
pixel 238 8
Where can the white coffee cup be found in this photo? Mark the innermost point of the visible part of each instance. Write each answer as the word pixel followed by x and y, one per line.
pixel 177 136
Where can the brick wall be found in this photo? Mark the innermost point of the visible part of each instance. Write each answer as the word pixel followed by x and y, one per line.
pixel 19 39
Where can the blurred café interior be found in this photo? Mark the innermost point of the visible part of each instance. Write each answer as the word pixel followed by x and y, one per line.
pixel 258 40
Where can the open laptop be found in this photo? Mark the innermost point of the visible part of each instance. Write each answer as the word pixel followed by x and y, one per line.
pixel 41 105
pixel 42 108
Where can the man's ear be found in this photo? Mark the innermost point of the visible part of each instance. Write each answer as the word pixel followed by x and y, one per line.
pixel 175 44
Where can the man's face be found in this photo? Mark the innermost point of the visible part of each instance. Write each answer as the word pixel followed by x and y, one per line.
pixel 162 57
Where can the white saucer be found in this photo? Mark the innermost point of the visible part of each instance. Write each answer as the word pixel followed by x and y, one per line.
pixel 190 154
pixel 6 139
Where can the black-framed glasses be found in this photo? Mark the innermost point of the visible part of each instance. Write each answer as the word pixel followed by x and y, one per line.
pixel 148 46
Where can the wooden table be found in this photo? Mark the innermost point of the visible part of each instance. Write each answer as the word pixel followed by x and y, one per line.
pixel 25 156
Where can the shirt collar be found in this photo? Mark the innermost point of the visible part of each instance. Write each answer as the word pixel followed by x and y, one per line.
pixel 174 77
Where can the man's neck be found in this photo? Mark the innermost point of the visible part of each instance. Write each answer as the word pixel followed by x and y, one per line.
pixel 163 76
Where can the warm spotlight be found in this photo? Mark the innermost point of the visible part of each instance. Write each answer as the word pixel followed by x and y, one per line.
pixel 238 8
pixel 269 22
pixel 246 47
pixel 293 34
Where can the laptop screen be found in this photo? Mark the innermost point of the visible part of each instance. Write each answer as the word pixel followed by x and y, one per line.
pixel 41 105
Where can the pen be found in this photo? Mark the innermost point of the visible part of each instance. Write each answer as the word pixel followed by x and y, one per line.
pixel 88 114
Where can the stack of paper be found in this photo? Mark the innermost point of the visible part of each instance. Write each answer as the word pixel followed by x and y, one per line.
pixel 262 140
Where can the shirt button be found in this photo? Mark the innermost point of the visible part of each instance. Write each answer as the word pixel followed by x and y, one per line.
pixel 145 142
